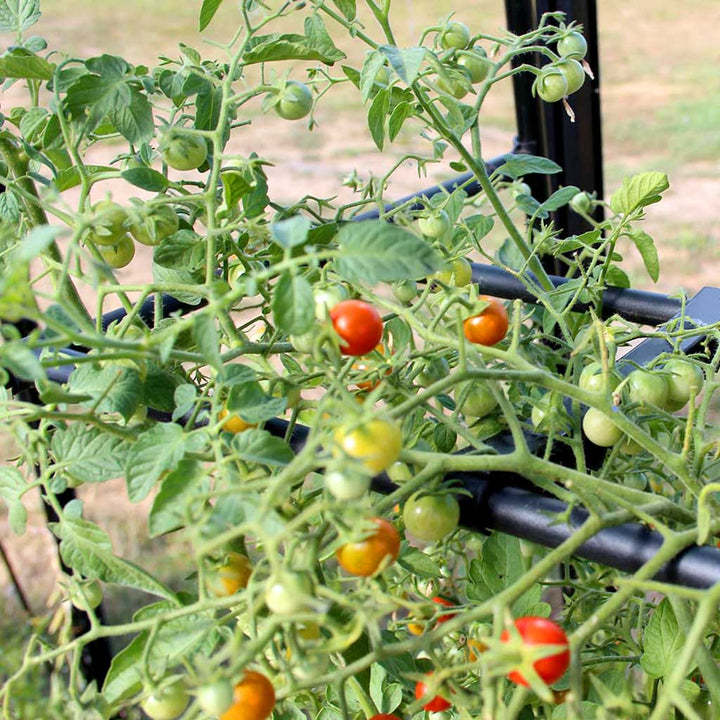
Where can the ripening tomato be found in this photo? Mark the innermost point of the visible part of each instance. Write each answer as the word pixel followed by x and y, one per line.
pixel 488 327
pixel 119 254
pixel 431 517
pixel 364 557
pixel 376 443
pixel 168 703
pixel 446 603
pixel 541 631
pixel 295 101
pixel 253 698
pixel 182 151
pixel 457 273
pixel 231 575
pixel 234 423
pixel 359 326
pixel 435 704
pixel 384 716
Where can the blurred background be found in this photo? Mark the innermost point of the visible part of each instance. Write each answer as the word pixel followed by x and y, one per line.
pixel 660 95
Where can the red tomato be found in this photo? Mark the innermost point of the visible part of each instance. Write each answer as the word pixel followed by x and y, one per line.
pixel 358 324
pixel 364 557
pixel 541 631
pixel 436 704
pixel 488 327
pixel 443 601
pixel 253 698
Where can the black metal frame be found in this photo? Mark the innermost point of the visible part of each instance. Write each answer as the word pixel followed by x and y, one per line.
pixel 510 506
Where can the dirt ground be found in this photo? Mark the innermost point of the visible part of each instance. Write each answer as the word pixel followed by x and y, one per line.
pixel 641 78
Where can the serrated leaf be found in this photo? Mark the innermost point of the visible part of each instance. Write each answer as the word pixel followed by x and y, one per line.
pixel 12 488
pixel 253 404
pixel 347 8
pixel 207 339
pixel 516 166
pixel 179 498
pixel 146 178
pixel 376 117
pixel 118 389
pixel 662 642
pixel 86 548
pixel 87 454
pixel 418 563
pixel 157 450
pixel 159 387
pixel 405 62
pixel 207 12
pixel 184 250
pixel 291 232
pixel 260 446
pixel 648 252
pixel 501 566
pixel 21 63
pixel 375 251
pixel 18 15
pixel 639 191
pixel 293 305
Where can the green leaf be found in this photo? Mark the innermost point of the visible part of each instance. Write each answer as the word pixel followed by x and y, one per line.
pixel 405 62
pixel 12 488
pixel 37 241
pixel 86 548
pixel 70 178
pixel 375 251
pixel 158 449
pixel 376 117
pixel 516 166
pixel 17 297
pixel 648 252
pixel 236 374
pixel 18 15
pixel 401 112
pixel 207 339
pixel 207 12
pixel 207 107
pixel 21 361
pixel 184 250
pixel 178 276
pixel 88 454
pixel 639 191
pixel 293 305
pixel 260 446
pixel 252 404
pixel 501 565
pixel 146 178
pixel 559 198
pixel 347 8
pixel 117 388
pixel 291 232
pixel 418 563
pixel 179 498
pixel 663 642
pixel 123 679
pixel 373 62
pixel 159 388
pixel 21 63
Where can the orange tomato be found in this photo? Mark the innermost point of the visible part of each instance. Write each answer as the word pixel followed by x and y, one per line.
pixel 234 423
pixel 364 557
pixel 488 327
pixel 253 698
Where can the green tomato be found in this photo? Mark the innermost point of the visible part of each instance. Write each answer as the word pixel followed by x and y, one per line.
pixel 475 399
pixel 347 485
pixel 549 414
pixel 573 45
pixel 288 593
pixel 86 594
pixel 327 298
pixel 520 188
pixel 120 254
pixel 182 151
pixel 475 62
pixel 433 370
pixel 455 35
pixel 167 704
pixel 108 225
pixel 647 388
pixel 600 429
pixel 215 698
pixel 405 290
pixel 683 380
pixel 304 343
pixel 456 84
pixel 399 472
pixel 458 273
pixel 636 480
pixel 551 85
pixel 592 379
pixel 295 101
pixel 152 225
pixel 573 72
pixel 431 517
pixel 435 225
pixel 581 203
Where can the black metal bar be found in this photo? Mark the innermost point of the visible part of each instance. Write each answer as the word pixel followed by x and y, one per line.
pixel 14 580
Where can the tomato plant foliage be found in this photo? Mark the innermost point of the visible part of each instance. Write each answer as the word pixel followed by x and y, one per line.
pixel 248 429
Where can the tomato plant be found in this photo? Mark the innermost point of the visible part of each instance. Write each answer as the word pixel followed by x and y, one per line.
pixel 684 379
pixel 458 273
pixel 151 226
pixel 647 388
pixel 365 557
pixel 431 517
pixel 600 429
pixel 287 593
pixel 475 399
pixel 86 595
pixel 359 326
pixel 489 326
pixel 536 631
pixel 573 72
